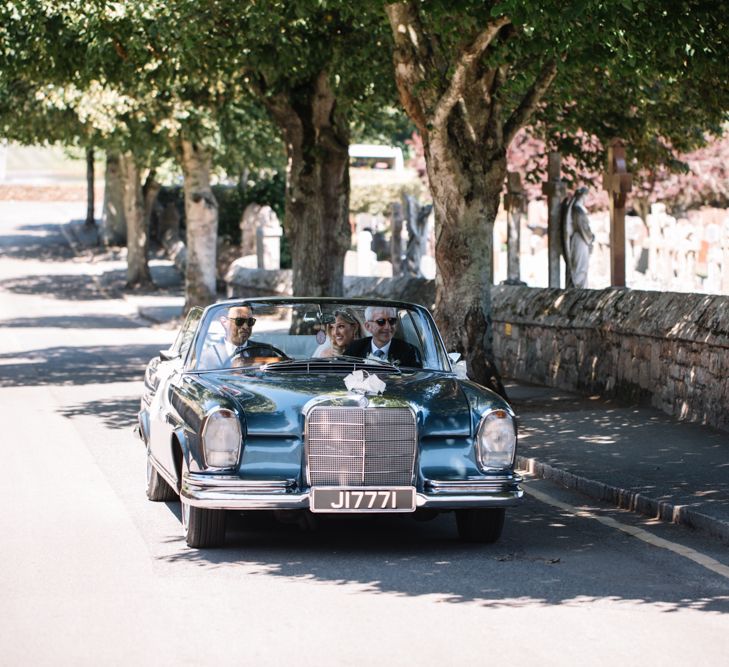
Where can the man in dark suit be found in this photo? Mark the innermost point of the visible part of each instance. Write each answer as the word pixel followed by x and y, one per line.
pixel 238 324
pixel 381 322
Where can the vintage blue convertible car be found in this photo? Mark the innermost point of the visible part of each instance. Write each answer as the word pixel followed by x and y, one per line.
pixel 259 406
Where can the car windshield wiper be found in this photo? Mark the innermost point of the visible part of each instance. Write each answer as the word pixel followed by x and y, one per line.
pixel 338 363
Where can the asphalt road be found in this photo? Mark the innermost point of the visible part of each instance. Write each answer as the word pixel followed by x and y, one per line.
pixel 93 573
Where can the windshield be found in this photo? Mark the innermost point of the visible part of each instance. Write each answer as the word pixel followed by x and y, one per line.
pixel 236 334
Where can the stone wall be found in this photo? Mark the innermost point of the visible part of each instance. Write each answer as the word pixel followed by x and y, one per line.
pixel 247 283
pixel 667 349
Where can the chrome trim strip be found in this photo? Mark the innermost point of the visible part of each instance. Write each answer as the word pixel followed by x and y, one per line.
pixel 226 500
pixel 235 482
pixel 489 485
pixel 230 493
pixel 449 502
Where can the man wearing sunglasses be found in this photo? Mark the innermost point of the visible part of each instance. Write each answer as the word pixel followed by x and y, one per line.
pixel 381 322
pixel 238 324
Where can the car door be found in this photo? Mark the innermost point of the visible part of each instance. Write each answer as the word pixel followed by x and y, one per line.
pixel 163 417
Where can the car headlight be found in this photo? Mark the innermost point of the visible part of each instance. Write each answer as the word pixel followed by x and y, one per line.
pixel 496 440
pixel 221 438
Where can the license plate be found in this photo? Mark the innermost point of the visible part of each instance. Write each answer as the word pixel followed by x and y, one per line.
pixel 348 499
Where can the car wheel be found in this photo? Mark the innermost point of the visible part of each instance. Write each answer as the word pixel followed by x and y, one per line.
pixel 480 525
pixel 203 528
pixel 157 489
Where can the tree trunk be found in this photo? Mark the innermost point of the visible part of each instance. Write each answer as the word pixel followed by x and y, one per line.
pixel 90 217
pixel 466 187
pixel 201 215
pixel 317 186
pixel 457 102
pixel 138 275
pixel 150 190
pixel 113 223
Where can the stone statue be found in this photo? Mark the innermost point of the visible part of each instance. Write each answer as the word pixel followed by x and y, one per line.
pixel 416 219
pixel 577 239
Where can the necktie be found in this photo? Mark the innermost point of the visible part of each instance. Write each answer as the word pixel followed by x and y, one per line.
pixel 239 350
pixel 380 354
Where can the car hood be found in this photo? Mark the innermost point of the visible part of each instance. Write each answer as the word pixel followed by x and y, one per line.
pixel 274 403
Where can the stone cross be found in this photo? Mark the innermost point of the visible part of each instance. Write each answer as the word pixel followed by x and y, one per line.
pixel 515 204
pixel 617 182
pixel 555 189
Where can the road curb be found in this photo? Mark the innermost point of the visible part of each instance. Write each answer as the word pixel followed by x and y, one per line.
pixel 626 499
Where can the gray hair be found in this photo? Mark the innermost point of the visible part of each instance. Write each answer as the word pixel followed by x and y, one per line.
pixel 370 311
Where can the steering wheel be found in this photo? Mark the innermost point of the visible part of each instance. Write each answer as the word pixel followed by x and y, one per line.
pixel 268 351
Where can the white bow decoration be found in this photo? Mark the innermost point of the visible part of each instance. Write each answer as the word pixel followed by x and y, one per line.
pixel 361 383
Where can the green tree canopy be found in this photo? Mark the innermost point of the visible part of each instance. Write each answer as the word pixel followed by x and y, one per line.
pixel 472 75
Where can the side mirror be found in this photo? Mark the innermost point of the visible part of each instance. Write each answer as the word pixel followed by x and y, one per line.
pixel 168 355
pixel 458 365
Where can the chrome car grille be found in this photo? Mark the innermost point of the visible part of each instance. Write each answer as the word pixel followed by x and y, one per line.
pixel 360 446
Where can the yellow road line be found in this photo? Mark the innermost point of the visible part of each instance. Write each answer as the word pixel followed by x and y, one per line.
pixel 701 559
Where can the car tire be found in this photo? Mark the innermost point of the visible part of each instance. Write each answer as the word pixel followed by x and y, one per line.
pixel 480 525
pixel 203 528
pixel 158 490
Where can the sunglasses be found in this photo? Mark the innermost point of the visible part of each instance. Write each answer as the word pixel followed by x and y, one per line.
pixel 381 321
pixel 240 321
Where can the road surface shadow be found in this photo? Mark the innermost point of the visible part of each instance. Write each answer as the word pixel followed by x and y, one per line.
pixel 545 556
pixel 113 412
pixel 75 322
pixel 110 284
pixel 69 287
pixel 45 242
pixel 76 365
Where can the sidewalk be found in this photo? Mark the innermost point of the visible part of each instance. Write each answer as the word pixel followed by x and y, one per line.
pixel 634 457
pixel 160 306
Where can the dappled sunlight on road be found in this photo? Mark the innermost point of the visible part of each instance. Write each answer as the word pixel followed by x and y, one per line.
pixel 76 365
pixel 546 557
pixel 114 412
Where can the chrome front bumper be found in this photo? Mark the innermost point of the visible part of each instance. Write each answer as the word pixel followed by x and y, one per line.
pixel 232 493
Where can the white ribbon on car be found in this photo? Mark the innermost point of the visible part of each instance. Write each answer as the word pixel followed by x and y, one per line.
pixel 360 382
